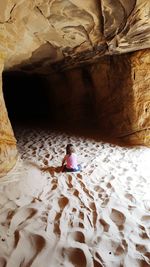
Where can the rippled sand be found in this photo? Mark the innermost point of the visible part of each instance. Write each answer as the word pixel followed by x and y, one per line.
pixel 98 217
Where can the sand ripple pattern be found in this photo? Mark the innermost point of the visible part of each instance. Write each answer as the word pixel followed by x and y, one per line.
pixel 99 217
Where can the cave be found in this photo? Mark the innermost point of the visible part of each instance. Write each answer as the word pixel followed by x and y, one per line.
pixel 45 100
pixel 74 72
pixel 89 99
pixel 32 103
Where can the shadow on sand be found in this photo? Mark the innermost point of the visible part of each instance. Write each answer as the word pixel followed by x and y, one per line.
pixel 52 169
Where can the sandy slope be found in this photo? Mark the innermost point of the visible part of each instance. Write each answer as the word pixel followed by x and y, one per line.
pixel 98 217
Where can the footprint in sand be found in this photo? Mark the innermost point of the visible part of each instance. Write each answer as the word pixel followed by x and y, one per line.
pixel 26 243
pixel 117 217
pixel 119 250
pixel 79 176
pixel 105 202
pixel 105 225
pixel 76 256
pixel 63 201
pixel 78 236
pixel 57 230
pixel 16 238
pixel 146 219
pixel 98 260
pixel 96 263
pixel 38 242
pixel 141 248
pixel 70 181
pixel 108 185
pixel 143 233
pixel 54 184
pixel 130 197
pixel 99 189
pixel 21 217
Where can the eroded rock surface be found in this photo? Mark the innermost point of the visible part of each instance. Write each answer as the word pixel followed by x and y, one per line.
pixel 8 151
pixel 43 32
pixel 113 94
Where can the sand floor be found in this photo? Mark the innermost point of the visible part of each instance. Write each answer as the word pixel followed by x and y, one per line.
pixel 98 217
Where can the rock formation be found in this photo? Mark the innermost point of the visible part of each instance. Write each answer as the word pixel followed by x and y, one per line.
pixel 113 94
pixel 43 32
pixel 8 151
pixel 46 36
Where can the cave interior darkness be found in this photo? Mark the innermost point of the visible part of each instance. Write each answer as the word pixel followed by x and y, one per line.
pixel 30 103
pixel 26 100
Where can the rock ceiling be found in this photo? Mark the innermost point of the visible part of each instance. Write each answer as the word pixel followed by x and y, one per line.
pixel 67 32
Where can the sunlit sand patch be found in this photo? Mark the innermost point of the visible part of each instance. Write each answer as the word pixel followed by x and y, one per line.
pixel 96 218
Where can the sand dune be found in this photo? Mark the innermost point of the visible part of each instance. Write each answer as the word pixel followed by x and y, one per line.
pixel 99 217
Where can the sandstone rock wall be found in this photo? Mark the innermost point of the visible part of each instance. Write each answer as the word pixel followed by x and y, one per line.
pixel 8 151
pixel 41 32
pixel 111 96
pixel 123 97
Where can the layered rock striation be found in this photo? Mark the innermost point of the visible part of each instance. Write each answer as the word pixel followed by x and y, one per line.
pixel 112 94
pixel 43 32
pixel 8 151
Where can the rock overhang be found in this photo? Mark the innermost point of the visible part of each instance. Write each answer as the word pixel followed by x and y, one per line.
pixel 63 34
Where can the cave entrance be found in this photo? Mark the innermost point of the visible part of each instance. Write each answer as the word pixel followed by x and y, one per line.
pixel 26 100
pixel 100 99
pixel 62 101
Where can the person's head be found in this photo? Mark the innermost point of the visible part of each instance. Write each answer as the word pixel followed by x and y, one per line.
pixel 70 149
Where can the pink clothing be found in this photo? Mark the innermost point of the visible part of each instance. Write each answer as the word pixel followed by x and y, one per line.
pixel 71 161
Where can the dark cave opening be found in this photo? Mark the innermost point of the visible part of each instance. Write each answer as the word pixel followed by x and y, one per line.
pixel 27 101
pixel 51 102
pixel 89 101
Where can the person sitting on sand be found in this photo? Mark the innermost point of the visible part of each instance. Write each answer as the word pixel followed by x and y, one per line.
pixel 71 160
